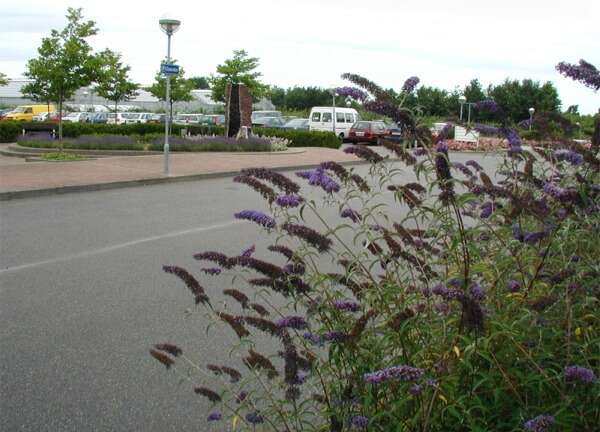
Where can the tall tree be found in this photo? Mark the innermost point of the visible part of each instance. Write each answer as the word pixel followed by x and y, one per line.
pixel 65 62
pixel 3 79
pixel 474 91
pixel 181 88
pixel 239 69
pixel 113 80
pixel 516 97
pixel 200 82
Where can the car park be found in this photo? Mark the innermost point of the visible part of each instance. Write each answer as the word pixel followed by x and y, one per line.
pixel 132 118
pixel 46 117
pixel 259 116
pixel 99 118
pixel 4 113
pixel 189 119
pixel 297 123
pixel 157 118
pixel 367 132
pixel 321 119
pixel 215 119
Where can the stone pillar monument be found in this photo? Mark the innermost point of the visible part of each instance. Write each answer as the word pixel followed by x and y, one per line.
pixel 238 109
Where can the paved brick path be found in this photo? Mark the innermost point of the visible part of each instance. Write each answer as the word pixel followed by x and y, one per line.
pixel 18 176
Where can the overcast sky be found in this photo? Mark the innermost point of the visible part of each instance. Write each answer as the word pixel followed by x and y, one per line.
pixel 312 42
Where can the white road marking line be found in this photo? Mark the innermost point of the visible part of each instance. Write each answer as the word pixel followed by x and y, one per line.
pixel 119 246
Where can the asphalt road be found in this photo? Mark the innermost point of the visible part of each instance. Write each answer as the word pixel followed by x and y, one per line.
pixel 83 297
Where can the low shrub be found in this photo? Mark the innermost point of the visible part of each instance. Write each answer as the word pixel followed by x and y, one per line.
pixel 468 303
pixel 9 131
pixel 302 138
pixel 86 142
pixel 201 143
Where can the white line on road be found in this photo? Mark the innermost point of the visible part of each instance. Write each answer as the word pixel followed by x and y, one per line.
pixel 119 246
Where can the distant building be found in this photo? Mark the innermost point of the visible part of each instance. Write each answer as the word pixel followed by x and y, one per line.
pixel 84 98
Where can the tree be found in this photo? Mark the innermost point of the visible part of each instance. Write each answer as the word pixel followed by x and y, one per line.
pixel 3 79
pixel 474 91
pixel 181 88
pixel 238 69
pixel 65 62
pixel 516 97
pixel 40 91
pixel 113 81
pixel 200 82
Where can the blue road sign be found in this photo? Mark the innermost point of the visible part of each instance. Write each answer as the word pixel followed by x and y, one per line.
pixel 169 69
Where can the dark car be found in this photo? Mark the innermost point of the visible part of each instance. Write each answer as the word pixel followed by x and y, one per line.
pixel 367 132
pixel 3 113
pixel 297 123
pixel 158 118
pixel 272 122
pixel 98 118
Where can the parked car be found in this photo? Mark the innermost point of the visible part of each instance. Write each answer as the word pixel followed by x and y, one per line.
pixel 26 112
pixel 320 119
pixel 4 112
pixel 259 116
pixel 215 119
pixel 76 117
pixel 46 117
pixel 272 122
pixel 132 118
pixel 99 118
pixel 187 119
pixel 394 132
pixel 157 118
pixel 367 131
pixel 112 118
pixel 297 123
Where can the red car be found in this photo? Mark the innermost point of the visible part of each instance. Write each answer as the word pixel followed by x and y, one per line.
pixel 367 132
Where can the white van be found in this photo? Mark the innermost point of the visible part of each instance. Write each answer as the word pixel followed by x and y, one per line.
pixel 321 120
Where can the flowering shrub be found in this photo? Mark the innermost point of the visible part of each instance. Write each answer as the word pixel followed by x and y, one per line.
pixel 470 303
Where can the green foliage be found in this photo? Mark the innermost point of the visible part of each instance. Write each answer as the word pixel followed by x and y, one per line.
pixel 302 98
pixel 9 131
pixel 516 97
pixel 62 156
pixel 181 88
pixel 3 79
pixel 113 79
pixel 65 62
pixel 199 82
pixel 239 69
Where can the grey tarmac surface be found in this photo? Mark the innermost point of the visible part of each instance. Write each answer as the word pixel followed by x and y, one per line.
pixel 83 297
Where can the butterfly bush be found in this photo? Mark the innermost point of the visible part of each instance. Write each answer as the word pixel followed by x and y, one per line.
pixel 420 293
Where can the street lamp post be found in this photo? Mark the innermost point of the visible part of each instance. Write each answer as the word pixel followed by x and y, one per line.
pixel 333 95
pixel 531 111
pixel 169 26
pixel 85 95
pixel 462 99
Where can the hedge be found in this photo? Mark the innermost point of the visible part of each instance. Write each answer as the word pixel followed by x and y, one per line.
pixel 9 131
pixel 297 138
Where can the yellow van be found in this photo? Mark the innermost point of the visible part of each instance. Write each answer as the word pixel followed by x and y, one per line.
pixel 26 112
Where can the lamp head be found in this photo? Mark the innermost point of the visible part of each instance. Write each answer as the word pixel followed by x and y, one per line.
pixel 462 99
pixel 531 111
pixel 169 25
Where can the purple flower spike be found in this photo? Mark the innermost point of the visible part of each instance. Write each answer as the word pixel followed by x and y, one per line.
pixel 314 339
pixel 514 286
pixel 415 389
pixel 410 84
pixel 318 177
pixel 570 156
pixel 486 130
pixel 289 200
pixel 440 289
pixel 477 292
pixel 352 92
pixel 346 305
pixel 486 210
pixel 295 322
pixel 353 215
pixel 585 73
pixel 402 373
pixel 581 374
pixel 359 422
pixel 487 105
pixel 514 140
pixel 335 336
pixel 214 416
pixel 420 151
pixel 254 418
pixel 541 423
pixel 213 271
pixel 248 252
pixel 257 217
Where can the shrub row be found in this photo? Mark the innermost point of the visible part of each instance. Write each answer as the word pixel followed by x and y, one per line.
pixel 298 138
